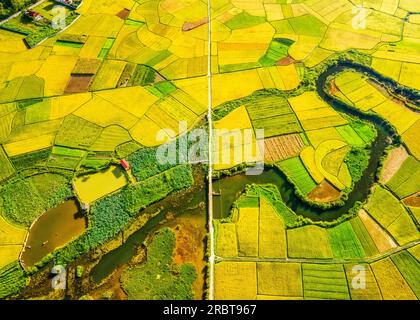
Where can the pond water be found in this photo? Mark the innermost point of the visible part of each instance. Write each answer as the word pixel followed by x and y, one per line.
pixel 53 229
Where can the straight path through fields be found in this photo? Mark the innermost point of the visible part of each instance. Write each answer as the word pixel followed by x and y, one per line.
pixel 210 160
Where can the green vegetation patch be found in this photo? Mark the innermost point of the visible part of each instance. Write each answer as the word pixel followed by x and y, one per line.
pixel 65 158
pixel 144 162
pixel 139 196
pixel 159 278
pixel 76 132
pixel 142 76
pixel 274 115
pixel 350 135
pixel 45 30
pixel 238 66
pixel 24 200
pixel 277 49
pixel 126 149
pixel 365 130
pixel 21 105
pixel 344 242
pixel 160 56
pixel 273 196
pixel 29 160
pixel 12 279
pixel 248 202
pixel 357 160
pixel 165 87
pixel 244 20
pixel 364 237
pixel 38 112
pixel 134 23
pixel 294 169
pixel 308 25
pixel 22 88
pixel 407 180
pixel 106 48
pixel 6 168
pixel 69 44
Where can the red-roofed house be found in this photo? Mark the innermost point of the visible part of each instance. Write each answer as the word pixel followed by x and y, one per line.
pixel 125 164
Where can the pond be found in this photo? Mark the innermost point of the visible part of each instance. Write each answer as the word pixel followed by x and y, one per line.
pixel 53 229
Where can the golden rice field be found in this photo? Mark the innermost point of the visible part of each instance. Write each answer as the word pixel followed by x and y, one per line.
pixel 95 186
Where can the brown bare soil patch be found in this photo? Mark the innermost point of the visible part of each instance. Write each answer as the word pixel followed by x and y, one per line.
pixel 195 24
pixel 393 162
pixel 412 201
pixel 189 248
pixel 285 61
pixel 123 14
pixel 78 84
pixel 333 87
pixel 379 236
pixel 324 192
pixel 282 147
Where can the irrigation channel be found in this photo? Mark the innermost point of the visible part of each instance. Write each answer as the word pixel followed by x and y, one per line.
pixel 231 187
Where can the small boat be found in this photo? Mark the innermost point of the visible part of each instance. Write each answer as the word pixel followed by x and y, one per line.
pixel 44 243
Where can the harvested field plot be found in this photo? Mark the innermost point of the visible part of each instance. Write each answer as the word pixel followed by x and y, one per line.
pixel 78 84
pixel 282 147
pixel 324 192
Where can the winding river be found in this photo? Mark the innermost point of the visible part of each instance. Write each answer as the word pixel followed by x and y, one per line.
pixel 231 187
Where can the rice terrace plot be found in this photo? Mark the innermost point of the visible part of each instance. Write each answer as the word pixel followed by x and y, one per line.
pixel 106 107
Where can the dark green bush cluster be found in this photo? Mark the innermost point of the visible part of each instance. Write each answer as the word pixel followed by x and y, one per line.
pixel 357 160
pixel 25 199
